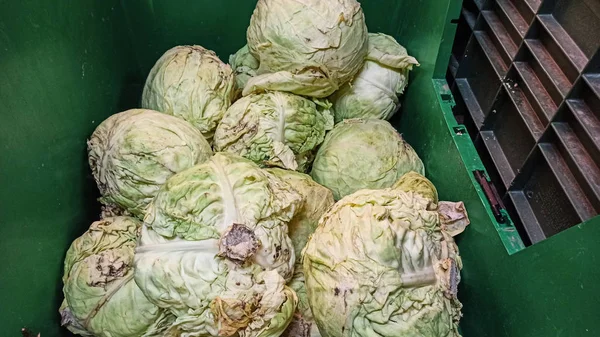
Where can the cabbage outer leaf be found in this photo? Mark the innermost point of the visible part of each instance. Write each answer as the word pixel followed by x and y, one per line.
pixel 179 263
pixel 192 83
pixel 133 153
pixel 308 47
pixel 244 66
pixel 359 154
pixel 101 298
pixel 379 264
pixel 317 200
pixel 274 129
pixel 415 182
pixel 373 93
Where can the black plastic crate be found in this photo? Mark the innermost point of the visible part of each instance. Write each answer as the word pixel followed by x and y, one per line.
pixel 535 119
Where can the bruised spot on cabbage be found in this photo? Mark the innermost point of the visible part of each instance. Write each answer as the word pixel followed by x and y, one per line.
pixel 238 244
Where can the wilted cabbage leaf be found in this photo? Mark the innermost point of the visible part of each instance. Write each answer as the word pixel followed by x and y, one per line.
pixel 274 129
pixel 359 154
pixel 244 66
pixel 379 264
pixel 373 93
pixel 134 152
pixel 191 83
pixel 216 251
pixel 101 297
pixel 303 324
pixel 453 215
pixel 317 200
pixel 308 47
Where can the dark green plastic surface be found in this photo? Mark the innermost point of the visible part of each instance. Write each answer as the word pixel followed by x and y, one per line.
pixel 67 65
pixel 64 67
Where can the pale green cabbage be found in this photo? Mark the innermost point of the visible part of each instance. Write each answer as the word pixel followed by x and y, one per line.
pixel 134 152
pixel 244 66
pixel 415 182
pixel 101 297
pixel 359 154
pixel 191 83
pixel 453 215
pixel 373 93
pixel 379 264
pixel 308 47
pixel 303 324
pixel 317 200
pixel 215 250
pixel 274 129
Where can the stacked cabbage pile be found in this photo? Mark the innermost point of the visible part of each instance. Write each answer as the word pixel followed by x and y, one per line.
pixel 219 213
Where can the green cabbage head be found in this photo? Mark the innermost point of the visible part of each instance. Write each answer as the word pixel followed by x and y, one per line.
pixel 191 83
pixel 101 297
pixel 373 93
pixel 215 250
pixel 244 66
pixel 415 182
pixel 379 264
pixel 134 152
pixel 308 47
pixel 359 154
pixel 275 129
pixel 317 200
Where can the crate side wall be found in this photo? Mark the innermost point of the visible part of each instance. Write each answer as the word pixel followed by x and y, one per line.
pixel 157 26
pixel 548 289
pixel 65 68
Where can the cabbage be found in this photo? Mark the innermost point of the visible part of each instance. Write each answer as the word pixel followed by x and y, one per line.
pixel 191 83
pixel 453 215
pixel 274 129
pixel 101 297
pixel 415 182
pixel 303 324
pixel 215 250
pixel 373 93
pixel 134 152
pixel 359 154
pixel 308 47
pixel 244 66
pixel 317 200
pixel 379 264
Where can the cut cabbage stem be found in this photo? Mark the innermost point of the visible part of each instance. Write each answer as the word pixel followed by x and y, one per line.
pixel 238 244
pixel 419 279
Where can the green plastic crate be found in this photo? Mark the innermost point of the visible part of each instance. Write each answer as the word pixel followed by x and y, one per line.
pixel 67 65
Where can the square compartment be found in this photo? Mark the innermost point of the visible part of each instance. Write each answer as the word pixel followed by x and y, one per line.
pixel 508 134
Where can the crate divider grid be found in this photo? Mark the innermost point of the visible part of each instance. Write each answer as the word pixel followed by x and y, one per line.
pixel 535 120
